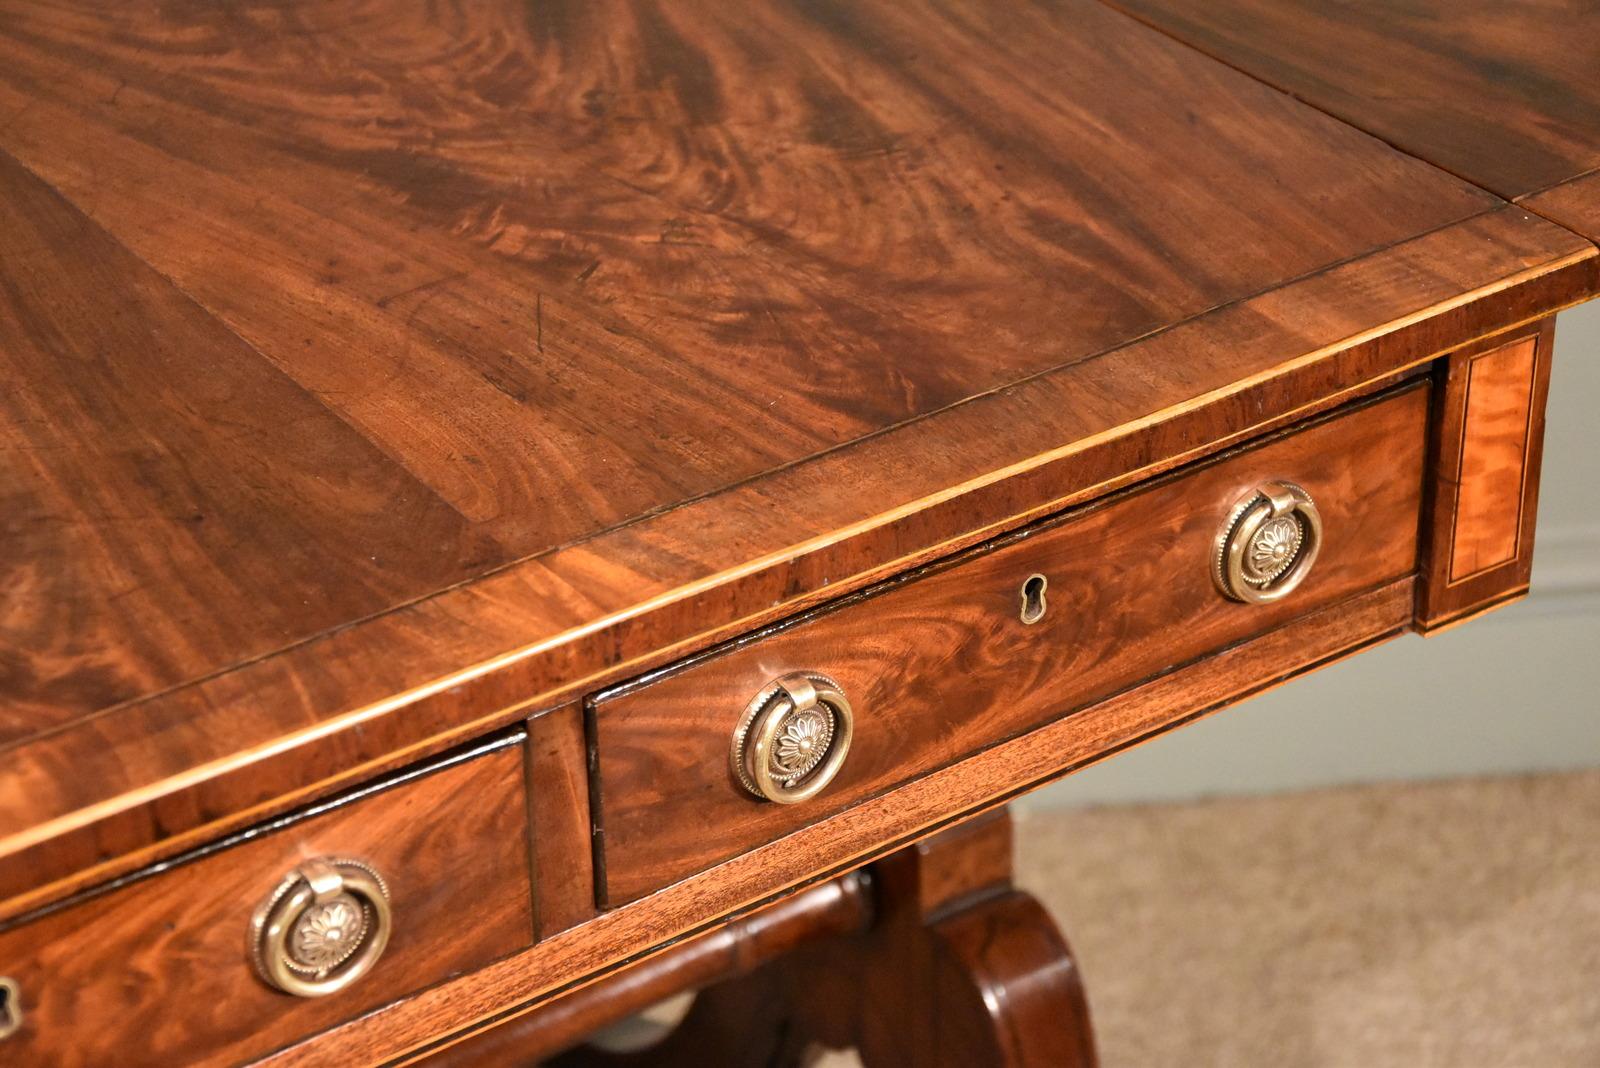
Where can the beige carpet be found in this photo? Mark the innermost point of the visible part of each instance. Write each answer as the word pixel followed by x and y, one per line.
pixel 1452 924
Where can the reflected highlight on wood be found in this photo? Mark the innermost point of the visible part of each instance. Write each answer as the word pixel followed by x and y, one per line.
pixel 1494 459
pixel 558 805
pixel 818 915
pixel 1574 204
pixel 525 272
pixel 1488 441
pixel 939 666
pixel 958 969
pixel 468 407
pixel 1501 93
pixel 433 364
pixel 158 972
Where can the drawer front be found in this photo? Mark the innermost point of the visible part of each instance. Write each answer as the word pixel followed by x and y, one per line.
pixel 940 665
pixel 159 971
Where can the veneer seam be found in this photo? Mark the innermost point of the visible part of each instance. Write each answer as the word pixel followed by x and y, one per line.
pixel 1547 266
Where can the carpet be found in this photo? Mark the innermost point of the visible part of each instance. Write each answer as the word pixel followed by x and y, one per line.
pixel 1423 924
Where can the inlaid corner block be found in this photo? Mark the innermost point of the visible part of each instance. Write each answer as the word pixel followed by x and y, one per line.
pixel 1489 439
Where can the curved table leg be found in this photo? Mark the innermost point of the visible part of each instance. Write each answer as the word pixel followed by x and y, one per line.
pixel 1006 989
pixel 963 969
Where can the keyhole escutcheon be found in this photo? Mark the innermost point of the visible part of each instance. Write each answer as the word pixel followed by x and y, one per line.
pixel 10 1006
pixel 1033 603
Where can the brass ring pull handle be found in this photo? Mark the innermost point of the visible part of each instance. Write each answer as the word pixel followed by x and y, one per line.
pixel 793 738
pixel 1268 544
pixel 322 928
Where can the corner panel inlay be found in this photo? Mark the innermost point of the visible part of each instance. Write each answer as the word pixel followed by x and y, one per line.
pixel 1494 459
pixel 1489 434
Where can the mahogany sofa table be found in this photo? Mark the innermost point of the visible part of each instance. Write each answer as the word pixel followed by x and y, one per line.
pixel 511 511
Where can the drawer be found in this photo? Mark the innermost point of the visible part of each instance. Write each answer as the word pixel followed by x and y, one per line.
pixel 940 664
pixel 159 970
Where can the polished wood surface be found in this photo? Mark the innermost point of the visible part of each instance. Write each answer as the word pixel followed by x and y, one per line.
pixel 219 754
pixel 967 970
pixel 956 969
pixel 467 408
pixel 863 833
pixel 1501 94
pixel 1575 204
pixel 158 972
pixel 1488 447
pixel 568 300
pixel 1493 465
pixel 614 267
pixel 939 666
pixel 558 803
pixel 817 916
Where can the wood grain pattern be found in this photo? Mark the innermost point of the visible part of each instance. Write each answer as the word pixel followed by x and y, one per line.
pixel 570 266
pixel 156 973
pixel 957 968
pixel 964 969
pixel 548 275
pixel 1007 992
pixel 1574 204
pixel 167 497
pixel 1501 94
pixel 960 968
pixel 146 780
pixel 390 373
pixel 940 666
pixel 961 862
pixel 855 836
pixel 1488 446
pixel 558 803
pixel 872 829
pixel 1493 463
pixel 820 914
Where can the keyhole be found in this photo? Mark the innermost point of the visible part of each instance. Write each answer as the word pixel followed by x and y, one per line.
pixel 1033 605
pixel 10 1006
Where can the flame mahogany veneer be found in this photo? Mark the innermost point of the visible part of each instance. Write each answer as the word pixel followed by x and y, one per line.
pixel 423 427
pixel 940 665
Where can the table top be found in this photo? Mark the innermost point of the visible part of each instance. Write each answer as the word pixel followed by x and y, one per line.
pixel 361 348
pixel 1502 94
